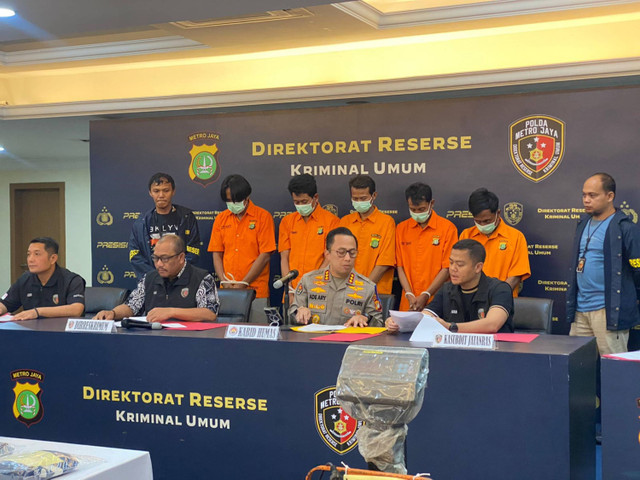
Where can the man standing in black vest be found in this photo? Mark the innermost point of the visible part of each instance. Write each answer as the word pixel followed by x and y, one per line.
pixel 47 289
pixel 174 290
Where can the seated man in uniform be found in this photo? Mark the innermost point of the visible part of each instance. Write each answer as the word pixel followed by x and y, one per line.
pixel 471 302
pixel 174 290
pixel 46 290
pixel 337 294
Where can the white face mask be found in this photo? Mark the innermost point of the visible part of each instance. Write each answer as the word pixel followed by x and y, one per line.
pixel 236 207
pixel 489 228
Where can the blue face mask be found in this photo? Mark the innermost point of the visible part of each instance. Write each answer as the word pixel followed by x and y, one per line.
pixel 362 207
pixel 489 228
pixel 305 210
pixel 236 207
pixel 421 217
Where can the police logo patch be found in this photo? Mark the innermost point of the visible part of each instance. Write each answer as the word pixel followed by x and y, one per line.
pixel 184 292
pixel 536 146
pixel 300 289
pixel 513 212
pixel 377 304
pixel 320 231
pixel 315 318
pixel 503 245
pixel 252 225
pixel 435 240
pixel 204 168
pixel 335 426
pixel 55 298
pixel 27 404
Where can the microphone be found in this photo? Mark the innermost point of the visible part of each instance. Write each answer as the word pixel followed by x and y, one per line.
pixel 289 276
pixel 129 323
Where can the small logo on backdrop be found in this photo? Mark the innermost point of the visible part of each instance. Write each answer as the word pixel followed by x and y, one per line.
pixel 629 212
pixel 536 146
pixel 330 207
pixel 104 218
pixel 27 406
pixel 513 212
pixel 105 277
pixel 204 167
pixel 335 426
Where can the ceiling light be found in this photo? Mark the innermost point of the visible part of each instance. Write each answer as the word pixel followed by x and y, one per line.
pixel 6 12
pixel 1 148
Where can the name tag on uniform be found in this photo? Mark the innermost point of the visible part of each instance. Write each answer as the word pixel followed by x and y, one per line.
pixel 251 332
pixel 475 341
pixel 91 326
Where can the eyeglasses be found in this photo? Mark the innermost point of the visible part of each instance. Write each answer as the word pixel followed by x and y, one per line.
pixel 353 253
pixel 164 259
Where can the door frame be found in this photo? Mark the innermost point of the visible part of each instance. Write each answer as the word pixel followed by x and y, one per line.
pixel 15 187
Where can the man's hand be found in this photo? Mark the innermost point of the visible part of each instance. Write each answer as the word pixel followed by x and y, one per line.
pixel 420 302
pixel 392 326
pixel 357 321
pixel 442 322
pixel 105 315
pixel 303 315
pixel 160 314
pixel 26 315
pixel 411 298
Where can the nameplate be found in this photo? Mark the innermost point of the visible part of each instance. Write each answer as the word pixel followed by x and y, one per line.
pixel 252 332
pixel 91 326
pixel 473 341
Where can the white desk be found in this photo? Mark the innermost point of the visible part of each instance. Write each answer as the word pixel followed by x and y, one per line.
pixel 117 463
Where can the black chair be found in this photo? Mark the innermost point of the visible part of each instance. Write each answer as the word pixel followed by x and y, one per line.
pixel 235 305
pixel 387 301
pixel 532 315
pixel 102 298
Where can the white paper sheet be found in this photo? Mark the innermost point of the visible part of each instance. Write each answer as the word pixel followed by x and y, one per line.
pixel 316 327
pixel 427 329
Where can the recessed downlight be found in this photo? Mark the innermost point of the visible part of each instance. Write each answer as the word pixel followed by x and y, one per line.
pixel 6 12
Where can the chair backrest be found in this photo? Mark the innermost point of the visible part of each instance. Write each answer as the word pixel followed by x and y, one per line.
pixel 235 305
pixel 387 301
pixel 532 315
pixel 103 298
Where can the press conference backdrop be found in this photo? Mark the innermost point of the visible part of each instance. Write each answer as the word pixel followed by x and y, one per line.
pixel 533 150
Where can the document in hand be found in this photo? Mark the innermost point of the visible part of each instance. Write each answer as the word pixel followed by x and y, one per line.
pixel 427 330
pixel 406 321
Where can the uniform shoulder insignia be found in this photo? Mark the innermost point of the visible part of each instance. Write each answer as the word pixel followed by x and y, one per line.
pixel 300 289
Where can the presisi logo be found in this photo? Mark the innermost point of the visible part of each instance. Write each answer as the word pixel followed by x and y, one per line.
pixel 27 405
pixel 204 167
pixel 130 215
pixel 335 426
pixel 459 214
pixel 104 218
pixel 536 146
pixel 105 277
pixel 513 212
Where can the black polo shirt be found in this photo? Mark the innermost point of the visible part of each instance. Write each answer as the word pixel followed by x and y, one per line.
pixel 450 305
pixel 63 288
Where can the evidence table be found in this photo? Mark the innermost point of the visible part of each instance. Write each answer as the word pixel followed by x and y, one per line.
pixel 104 463
pixel 206 407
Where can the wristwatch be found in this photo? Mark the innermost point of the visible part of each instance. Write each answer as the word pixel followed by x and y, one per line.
pixel 453 327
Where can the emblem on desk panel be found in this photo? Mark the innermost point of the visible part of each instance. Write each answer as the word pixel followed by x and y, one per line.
pixel 27 405
pixel 536 146
pixel 513 212
pixel 335 426
pixel 105 277
pixel 204 167
pixel 104 218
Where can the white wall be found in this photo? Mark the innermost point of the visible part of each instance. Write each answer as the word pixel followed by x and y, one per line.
pixel 77 211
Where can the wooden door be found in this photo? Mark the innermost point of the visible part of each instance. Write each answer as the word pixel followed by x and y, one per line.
pixel 37 210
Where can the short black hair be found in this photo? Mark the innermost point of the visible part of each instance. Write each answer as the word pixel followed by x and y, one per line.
pixel 608 183
pixel 301 184
pixel 160 178
pixel 481 200
pixel 363 181
pixel 338 231
pixel 418 192
pixel 475 249
pixel 50 245
pixel 176 241
pixel 238 186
